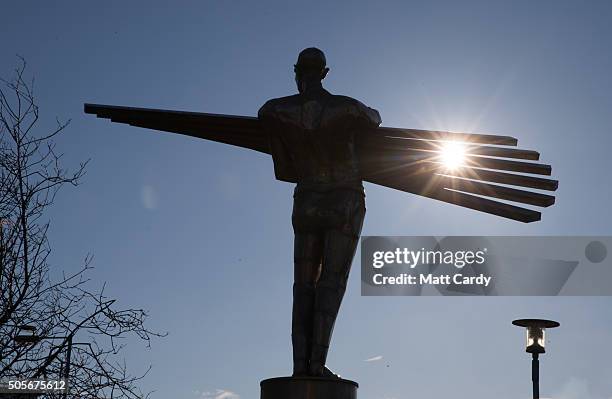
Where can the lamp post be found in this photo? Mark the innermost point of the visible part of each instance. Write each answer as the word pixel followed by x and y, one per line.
pixel 27 336
pixel 536 343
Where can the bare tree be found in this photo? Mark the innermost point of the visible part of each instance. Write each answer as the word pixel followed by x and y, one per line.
pixel 73 321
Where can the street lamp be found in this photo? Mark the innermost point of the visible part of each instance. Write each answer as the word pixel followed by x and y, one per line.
pixel 27 336
pixel 536 343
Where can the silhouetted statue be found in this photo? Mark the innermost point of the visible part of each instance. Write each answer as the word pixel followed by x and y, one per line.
pixel 314 141
pixel 328 145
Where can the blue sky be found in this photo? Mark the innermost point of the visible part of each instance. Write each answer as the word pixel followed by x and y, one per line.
pixel 199 233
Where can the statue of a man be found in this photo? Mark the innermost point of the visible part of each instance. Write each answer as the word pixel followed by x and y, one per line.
pixel 314 138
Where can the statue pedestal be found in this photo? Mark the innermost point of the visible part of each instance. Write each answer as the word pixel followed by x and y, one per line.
pixel 308 388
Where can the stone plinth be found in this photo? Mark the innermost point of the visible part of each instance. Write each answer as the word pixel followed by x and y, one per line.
pixel 308 388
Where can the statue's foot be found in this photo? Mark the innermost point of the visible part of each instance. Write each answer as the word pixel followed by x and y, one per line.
pixel 323 372
pixel 327 373
pixel 300 369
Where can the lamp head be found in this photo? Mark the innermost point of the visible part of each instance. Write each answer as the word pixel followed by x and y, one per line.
pixel 27 335
pixel 536 333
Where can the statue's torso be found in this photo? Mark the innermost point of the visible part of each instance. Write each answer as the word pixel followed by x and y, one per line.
pixel 313 138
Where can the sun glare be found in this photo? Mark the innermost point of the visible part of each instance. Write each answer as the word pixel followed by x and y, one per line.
pixel 452 154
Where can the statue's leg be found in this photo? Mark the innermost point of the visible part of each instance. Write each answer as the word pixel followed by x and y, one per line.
pixel 339 250
pixel 307 266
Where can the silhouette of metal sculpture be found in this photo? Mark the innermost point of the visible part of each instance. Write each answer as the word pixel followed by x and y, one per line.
pixel 313 138
pixel 330 144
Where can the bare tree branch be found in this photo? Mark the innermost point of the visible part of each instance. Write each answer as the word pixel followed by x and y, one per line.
pixel 30 177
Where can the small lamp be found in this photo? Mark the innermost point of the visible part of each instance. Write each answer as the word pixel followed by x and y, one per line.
pixel 536 344
pixel 26 335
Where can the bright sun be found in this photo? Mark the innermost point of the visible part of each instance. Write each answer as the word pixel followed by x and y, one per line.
pixel 452 154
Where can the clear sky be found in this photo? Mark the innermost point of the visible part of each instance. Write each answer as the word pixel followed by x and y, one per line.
pixel 199 233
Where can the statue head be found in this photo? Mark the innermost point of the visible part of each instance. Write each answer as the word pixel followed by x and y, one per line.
pixel 310 68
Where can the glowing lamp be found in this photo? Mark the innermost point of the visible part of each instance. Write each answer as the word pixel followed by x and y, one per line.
pixel 535 333
pixel 536 342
